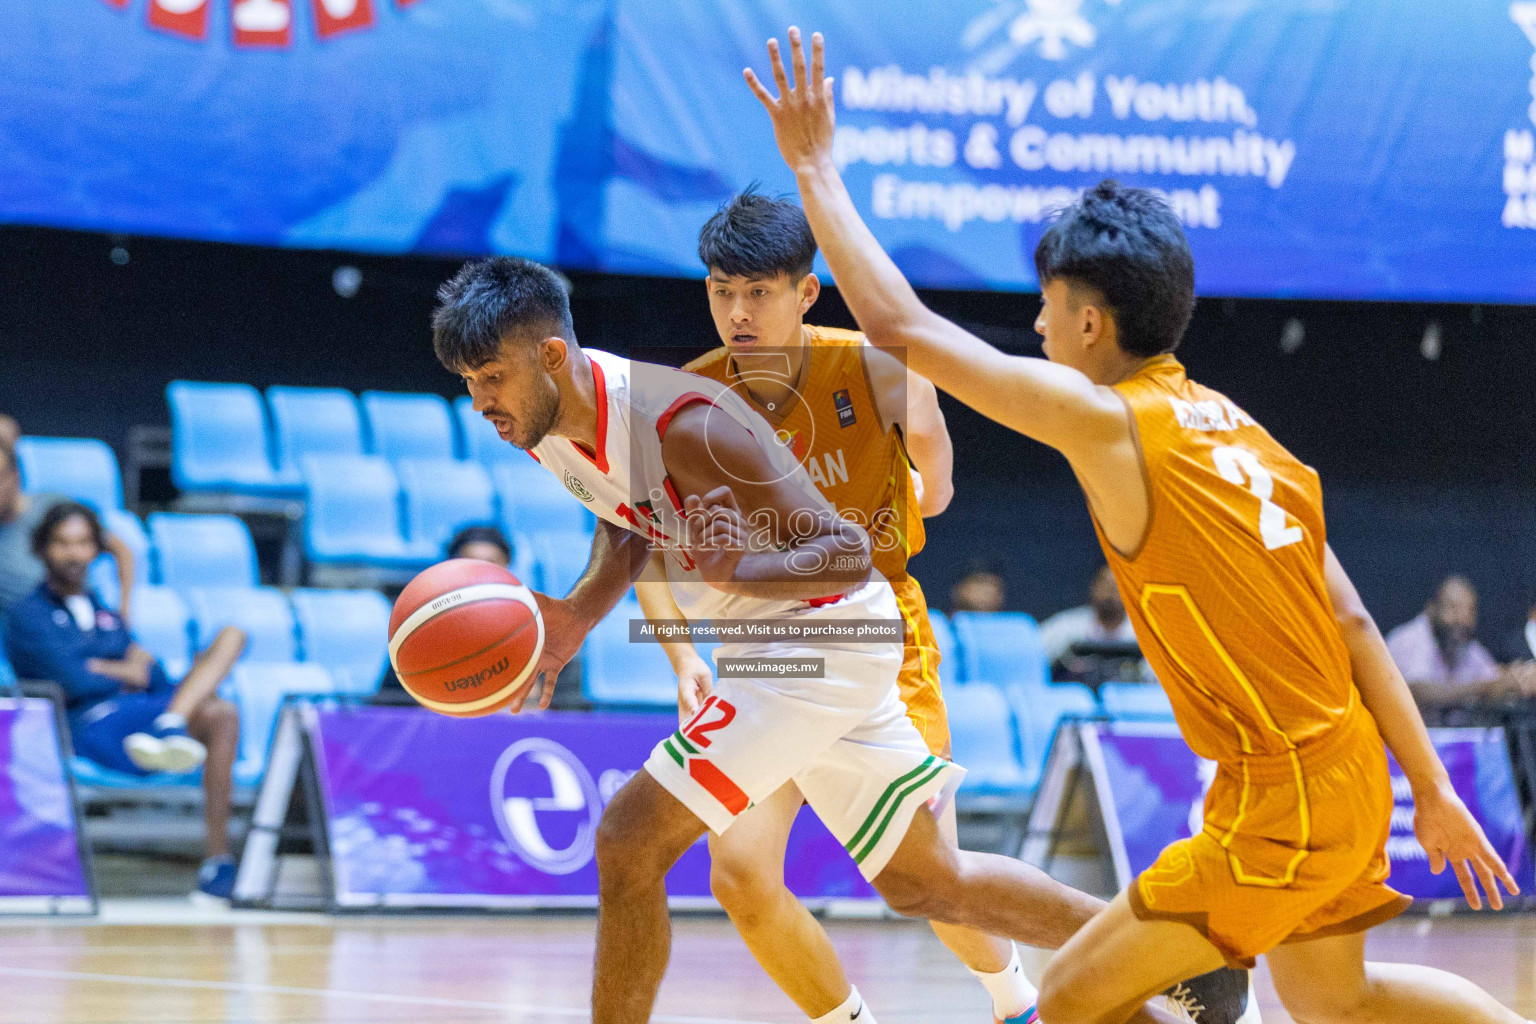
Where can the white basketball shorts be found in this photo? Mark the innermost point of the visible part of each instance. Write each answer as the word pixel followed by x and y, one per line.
pixel 844 739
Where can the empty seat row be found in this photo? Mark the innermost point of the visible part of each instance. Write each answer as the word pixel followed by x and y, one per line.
pixel 344 631
pixel 224 437
pixel 178 551
pixel 81 468
pixel 364 511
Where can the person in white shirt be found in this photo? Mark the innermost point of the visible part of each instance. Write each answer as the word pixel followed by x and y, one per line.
pixel 1101 621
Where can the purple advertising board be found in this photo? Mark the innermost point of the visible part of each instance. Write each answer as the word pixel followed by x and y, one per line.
pixel 1156 791
pixel 426 810
pixel 41 868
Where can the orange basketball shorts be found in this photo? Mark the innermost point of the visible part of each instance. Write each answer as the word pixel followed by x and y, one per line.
pixel 919 679
pixel 1293 848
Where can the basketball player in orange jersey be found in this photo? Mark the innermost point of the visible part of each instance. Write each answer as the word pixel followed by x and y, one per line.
pixel 873 440
pixel 1215 534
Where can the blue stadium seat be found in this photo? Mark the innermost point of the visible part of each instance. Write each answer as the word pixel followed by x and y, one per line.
pixel 950 668
pixel 408 426
pixel 1001 647
pixel 1146 700
pixel 1038 709
pixel 347 631
pixel 262 612
pixel 982 730
pixel 258 689
pixel 125 526
pixel 533 499
pixel 81 468
pixel 480 440
pixel 562 556
pixel 162 625
pixel 203 550
pixel 617 672
pixel 219 441
pixel 353 514
pixel 442 496
pixel 313 421
pixel 7 674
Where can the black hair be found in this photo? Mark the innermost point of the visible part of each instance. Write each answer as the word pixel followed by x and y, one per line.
pixel 480 535
pixel 1126 243
pixel 487 300
pixel 755 236
pixel 59 514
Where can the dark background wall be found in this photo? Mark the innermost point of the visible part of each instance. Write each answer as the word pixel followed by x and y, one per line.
pixel 1428 464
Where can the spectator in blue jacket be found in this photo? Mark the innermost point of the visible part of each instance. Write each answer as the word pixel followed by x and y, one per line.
pixel 124 712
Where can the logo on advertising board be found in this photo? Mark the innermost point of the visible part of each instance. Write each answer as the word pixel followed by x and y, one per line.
pixel 260 24
pixel 541 796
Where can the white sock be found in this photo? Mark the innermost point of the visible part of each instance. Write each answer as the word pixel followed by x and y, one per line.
pixel 1011 992
pixel 853 1009
pixel 171 720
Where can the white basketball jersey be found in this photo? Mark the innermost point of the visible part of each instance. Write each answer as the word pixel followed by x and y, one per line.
pixel 625 481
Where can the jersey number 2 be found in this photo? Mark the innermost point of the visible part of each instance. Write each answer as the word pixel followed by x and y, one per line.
pixel 1240 466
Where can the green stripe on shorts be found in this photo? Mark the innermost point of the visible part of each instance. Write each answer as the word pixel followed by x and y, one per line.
pixel 666 745
pixel 885 798
pixel 890 813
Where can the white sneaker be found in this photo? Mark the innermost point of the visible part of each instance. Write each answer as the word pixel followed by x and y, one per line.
pixel 165 750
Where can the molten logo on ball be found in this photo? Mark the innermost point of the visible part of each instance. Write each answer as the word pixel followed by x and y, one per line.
pixel 465 682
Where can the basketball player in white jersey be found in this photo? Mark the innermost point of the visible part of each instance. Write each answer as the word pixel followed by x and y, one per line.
pixel 676 461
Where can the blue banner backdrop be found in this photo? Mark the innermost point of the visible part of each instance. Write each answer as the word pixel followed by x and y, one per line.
pixel 1375 149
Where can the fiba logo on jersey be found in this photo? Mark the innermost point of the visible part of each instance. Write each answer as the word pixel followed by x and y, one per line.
pixel 546 805
pixel 577 488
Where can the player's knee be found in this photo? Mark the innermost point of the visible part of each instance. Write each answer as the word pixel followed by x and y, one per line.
pixel 742 886
pixel 624 855
pixel 1065 999
pixel 910 894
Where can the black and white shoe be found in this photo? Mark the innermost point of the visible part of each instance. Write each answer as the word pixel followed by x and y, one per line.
pixel 1223 996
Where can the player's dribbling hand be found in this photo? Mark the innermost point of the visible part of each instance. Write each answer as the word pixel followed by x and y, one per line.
pixel 564 630
pixel 803 114
pixel 716 535
pixel 694 683
pixel 1448 832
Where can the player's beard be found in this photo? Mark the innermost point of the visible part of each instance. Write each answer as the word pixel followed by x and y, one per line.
pixel 541 415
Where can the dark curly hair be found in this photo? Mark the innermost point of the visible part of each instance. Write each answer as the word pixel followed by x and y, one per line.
pixel 756 236
pixel 1126 243
pixel 488 300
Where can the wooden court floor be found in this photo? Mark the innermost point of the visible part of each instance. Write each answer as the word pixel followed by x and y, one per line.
pixel 247 968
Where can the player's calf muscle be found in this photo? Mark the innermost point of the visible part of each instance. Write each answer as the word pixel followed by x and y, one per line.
pixel 642 833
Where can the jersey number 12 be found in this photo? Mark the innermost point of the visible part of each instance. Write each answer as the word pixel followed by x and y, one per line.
pixel 1240 466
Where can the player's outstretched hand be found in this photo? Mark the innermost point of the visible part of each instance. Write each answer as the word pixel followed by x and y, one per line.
pixel 717 533
pixel 802 113
pixel 694 683
pixel 1449 833
pixel 564 632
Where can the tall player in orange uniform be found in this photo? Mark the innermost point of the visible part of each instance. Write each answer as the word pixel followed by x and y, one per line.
pixel 873 440
pixel 1216 537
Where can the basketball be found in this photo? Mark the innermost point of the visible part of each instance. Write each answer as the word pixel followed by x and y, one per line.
pixel 464 637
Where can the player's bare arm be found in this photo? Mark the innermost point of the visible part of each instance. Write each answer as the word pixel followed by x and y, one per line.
pixel 1056 405
pixel 694 678
pixel 1445 828
pixel 731 489
pixel 1053 404
pixel 910 402
pixel 619 556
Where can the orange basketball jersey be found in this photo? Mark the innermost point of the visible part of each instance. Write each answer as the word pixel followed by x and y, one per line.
pixel 1227 591
pixel 833 427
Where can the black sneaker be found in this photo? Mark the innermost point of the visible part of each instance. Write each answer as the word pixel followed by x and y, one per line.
pixel 1224 996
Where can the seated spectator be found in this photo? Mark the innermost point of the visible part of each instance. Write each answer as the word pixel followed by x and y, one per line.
pixel 1103 628
pixel 981 589
pixel 20 570
pixel 123 712
pixel 486 543
pixel 1438 654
